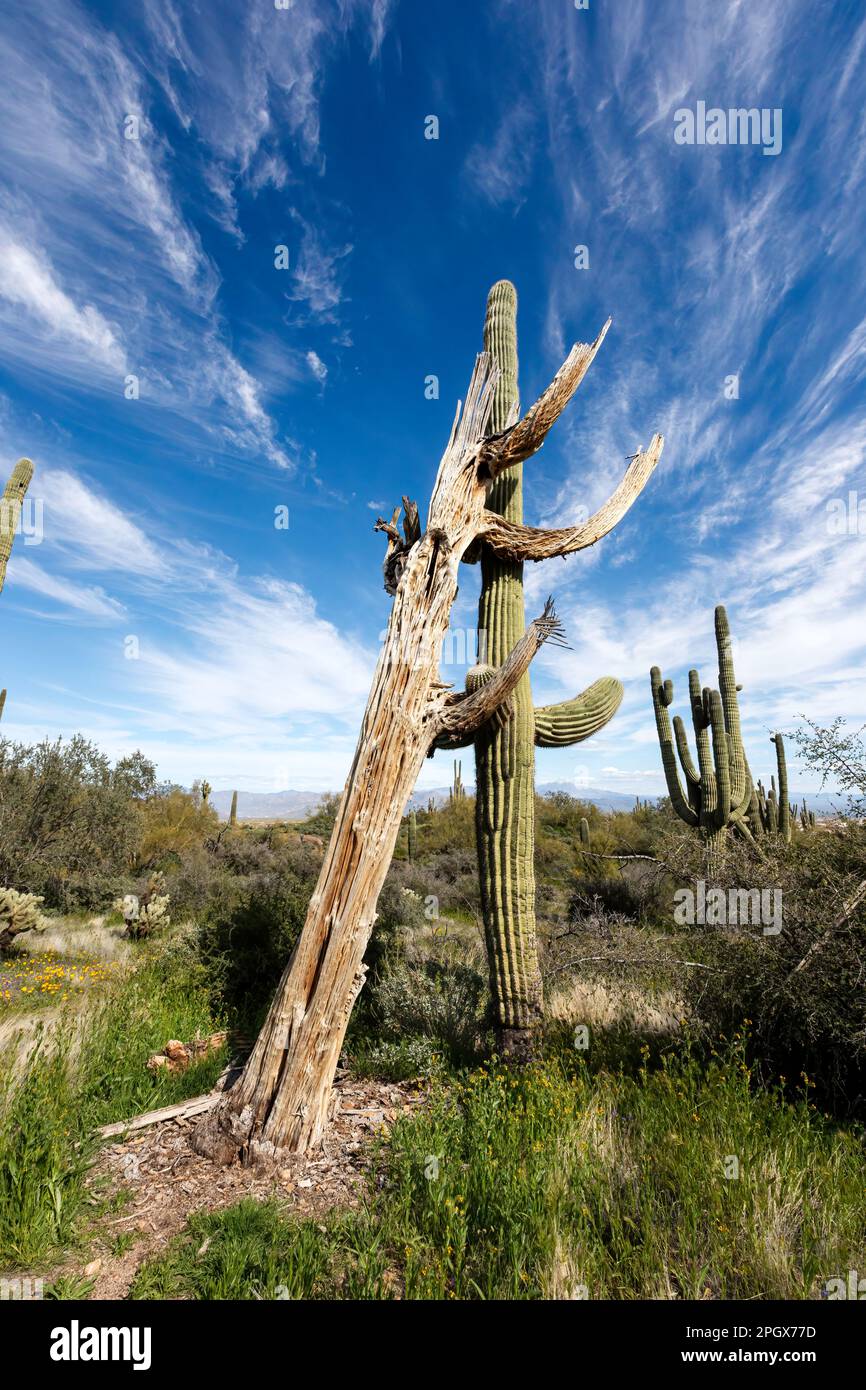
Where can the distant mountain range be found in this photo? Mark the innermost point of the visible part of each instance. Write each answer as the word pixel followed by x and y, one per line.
pixel 297 805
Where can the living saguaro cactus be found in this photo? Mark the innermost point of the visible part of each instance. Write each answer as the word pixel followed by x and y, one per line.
pixel 505 750
pixel 10 512
pixel 720 794
pixel 281 1102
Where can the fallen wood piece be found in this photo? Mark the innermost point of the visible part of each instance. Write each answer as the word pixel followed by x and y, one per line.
pixel 177 1056
pixel 197 1106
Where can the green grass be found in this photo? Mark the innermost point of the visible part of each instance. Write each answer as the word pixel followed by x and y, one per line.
pixel 80 1078
pixel 561 1183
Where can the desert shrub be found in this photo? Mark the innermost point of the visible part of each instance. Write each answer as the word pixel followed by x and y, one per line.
pixel 70 823
pixel 172 824
pixel 403 1060
pixel 91 1072
pixel 449 827
pixel 633 893
pixel 247 933
pixel 445 1000
pixel 811 1019
pixel 321 822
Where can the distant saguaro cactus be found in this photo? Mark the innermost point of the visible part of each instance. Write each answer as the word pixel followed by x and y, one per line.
pixel 233 813
pixel 412 836
pixel 584 832
pixel 457 792
pixel 720 794
pixel 10 512
pixel 770 813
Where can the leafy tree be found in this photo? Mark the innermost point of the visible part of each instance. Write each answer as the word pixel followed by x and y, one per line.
pixel 69 822
pixel 836 755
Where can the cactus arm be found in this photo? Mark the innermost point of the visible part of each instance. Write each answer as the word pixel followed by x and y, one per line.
pixel 693 781
pixel 520 543
pixel 784 806
pixel 572 721
pixel 2 702
pixel 683 808
pixel 10 510
pixel 728 689
pixel 721 760
pixel 465 711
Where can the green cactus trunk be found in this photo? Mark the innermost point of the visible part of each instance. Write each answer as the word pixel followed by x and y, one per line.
pixel 505 757
pixel 10 510
pixel 412 836
pixel 233 813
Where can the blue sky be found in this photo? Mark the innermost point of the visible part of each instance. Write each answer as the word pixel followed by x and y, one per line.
pixel 162 607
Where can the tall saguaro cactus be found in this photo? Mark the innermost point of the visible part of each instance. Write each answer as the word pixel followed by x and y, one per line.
pixel 280 1103
pixel 505 750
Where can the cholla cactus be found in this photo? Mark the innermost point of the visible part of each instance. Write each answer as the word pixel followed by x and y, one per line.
pixel 143 916
pixel 19 912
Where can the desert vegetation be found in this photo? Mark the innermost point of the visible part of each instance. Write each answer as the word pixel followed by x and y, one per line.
pixel 503 1045
pixel 598 1166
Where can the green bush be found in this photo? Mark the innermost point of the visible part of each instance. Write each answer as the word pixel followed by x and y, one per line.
pixel 70 823
pixel 811 1019
pixel 444 1000
pixel 245 938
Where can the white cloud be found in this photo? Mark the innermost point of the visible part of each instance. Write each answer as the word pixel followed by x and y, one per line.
pixel 28 281
pixel 317 366
pixel 89 601
pixel 500 171
pixel 90 529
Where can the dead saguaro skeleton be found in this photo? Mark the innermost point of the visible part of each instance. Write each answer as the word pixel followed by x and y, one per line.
pixel 280 1104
